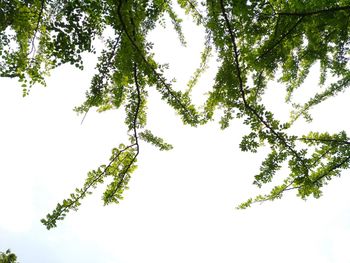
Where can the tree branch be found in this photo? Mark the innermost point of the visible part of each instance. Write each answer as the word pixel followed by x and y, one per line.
pixel 285 35
pixel 104 73
pixel 158 76
pixel 332 169
pixel 37 25
pixel 241 88
pixel 122 176
pixel 324 140
pixel 88 186
pixel 194 8
pixel 316 12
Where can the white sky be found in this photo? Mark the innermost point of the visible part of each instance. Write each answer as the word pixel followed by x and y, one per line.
pixel 180 206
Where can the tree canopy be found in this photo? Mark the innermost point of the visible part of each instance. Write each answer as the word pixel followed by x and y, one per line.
pixel 254 41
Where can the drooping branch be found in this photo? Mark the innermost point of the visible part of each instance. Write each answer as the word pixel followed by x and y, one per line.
pixel 135 119
pixel 135 134
pixel 295 184
pixel 242 92
pixel 61 210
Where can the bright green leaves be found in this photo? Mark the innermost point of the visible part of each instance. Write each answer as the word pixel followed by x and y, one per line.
pixel 180 101
pixel 205 55
pixel 249 142
pixel 269 167
pixel 44 34
pixel 329 154
pixel 191 7
pixel 120 168
pixel 176 21
pixel 331 91
pixel 19 32
pixel 147 136
pixel 122 164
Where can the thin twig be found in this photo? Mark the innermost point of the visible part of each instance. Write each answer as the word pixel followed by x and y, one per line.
pixel 285 35
pixel 324 140
pixel 37 25
pixel 104 72
pixel 195 8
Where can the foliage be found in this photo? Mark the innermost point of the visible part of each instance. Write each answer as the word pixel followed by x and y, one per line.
pixel 8 257
pixel 255 41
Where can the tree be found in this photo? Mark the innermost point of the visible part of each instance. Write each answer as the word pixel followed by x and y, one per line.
pixel 255 41
pixel 8 257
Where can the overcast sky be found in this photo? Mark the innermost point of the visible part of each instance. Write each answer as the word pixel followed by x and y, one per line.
pixel 180 206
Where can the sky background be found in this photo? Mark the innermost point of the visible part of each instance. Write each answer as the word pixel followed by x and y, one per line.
pixel 180 205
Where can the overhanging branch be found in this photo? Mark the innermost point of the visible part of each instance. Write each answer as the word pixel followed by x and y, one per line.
pixel 242 92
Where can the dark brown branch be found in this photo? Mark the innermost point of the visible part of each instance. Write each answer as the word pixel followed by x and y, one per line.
pixel 325 174
pixel 332 169
pixel 125 171
pixel 316 12
pixel 325 140
pixel 99 176
pixel 137 110
pixel 288 188
pixel 138 90
pixel 285 35
pixel 241 88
